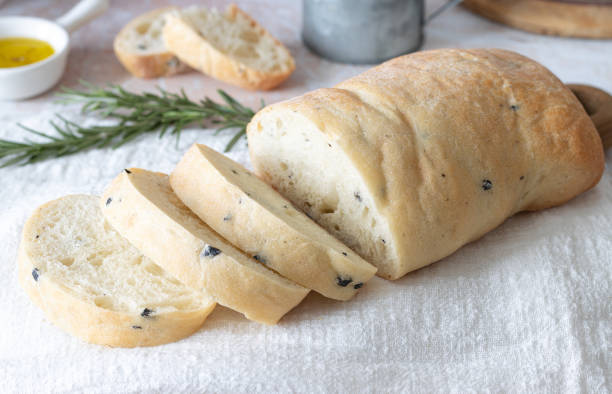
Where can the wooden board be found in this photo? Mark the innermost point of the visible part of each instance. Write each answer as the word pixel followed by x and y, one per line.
pixel 575 18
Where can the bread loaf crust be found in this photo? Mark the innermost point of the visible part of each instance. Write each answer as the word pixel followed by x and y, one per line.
pixel 450 143
pixel 154 65
pixel 196 51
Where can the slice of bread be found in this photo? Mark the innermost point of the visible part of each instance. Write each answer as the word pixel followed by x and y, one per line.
pixel 228 46
pixel 141 205
pixel 91 282
pixel 255 218
pixel 141 50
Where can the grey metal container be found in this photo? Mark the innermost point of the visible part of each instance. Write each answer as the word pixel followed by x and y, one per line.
pixel 362 31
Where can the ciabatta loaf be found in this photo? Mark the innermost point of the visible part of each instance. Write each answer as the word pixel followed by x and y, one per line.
pixel 141 206
pixel 141 50
pixel 91 282
pixel 254 217
pixel 412 159
pixel 229 46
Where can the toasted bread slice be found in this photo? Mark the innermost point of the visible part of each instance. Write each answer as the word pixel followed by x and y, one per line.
pixel 228 46
pixel 257 219
pixel 142 207
pixel 141 50
pixel 91 282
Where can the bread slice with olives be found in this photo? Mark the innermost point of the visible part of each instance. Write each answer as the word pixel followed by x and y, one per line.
pixel 229 46
pixel 141 50
pixel 142 207
pixel 92 283
pixel 254 217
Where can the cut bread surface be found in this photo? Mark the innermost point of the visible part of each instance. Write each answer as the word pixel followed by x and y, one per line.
pixel 257 219
pixel 143 208
pixel 290 152
pixel 411 160
pixel 140 48
pixel 92 283
pixel 229 46
pixel 234 33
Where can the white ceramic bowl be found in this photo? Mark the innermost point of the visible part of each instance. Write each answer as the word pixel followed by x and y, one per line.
pixel 26 81
pixel 22 82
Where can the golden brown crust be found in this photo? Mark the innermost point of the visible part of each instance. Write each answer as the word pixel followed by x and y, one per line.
pixel 452 142
pixel 598 104
pixel 160 64
pixel 197 52
pixel 151 66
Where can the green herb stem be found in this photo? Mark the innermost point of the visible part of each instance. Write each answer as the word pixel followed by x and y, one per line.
pixel 136 114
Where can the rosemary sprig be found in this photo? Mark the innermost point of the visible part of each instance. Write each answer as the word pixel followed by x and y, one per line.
pixel 136 114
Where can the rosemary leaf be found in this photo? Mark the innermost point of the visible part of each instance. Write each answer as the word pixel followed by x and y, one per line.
pixel 136 114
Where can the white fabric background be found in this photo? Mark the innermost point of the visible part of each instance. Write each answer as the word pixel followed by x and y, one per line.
pixel 525 309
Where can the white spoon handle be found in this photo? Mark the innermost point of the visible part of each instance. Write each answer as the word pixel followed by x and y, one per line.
pixel 82 13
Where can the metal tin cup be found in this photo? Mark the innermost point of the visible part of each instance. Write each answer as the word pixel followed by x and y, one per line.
pixel 363 31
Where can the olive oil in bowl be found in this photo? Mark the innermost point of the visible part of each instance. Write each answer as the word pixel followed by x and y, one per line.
pixel 21 51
